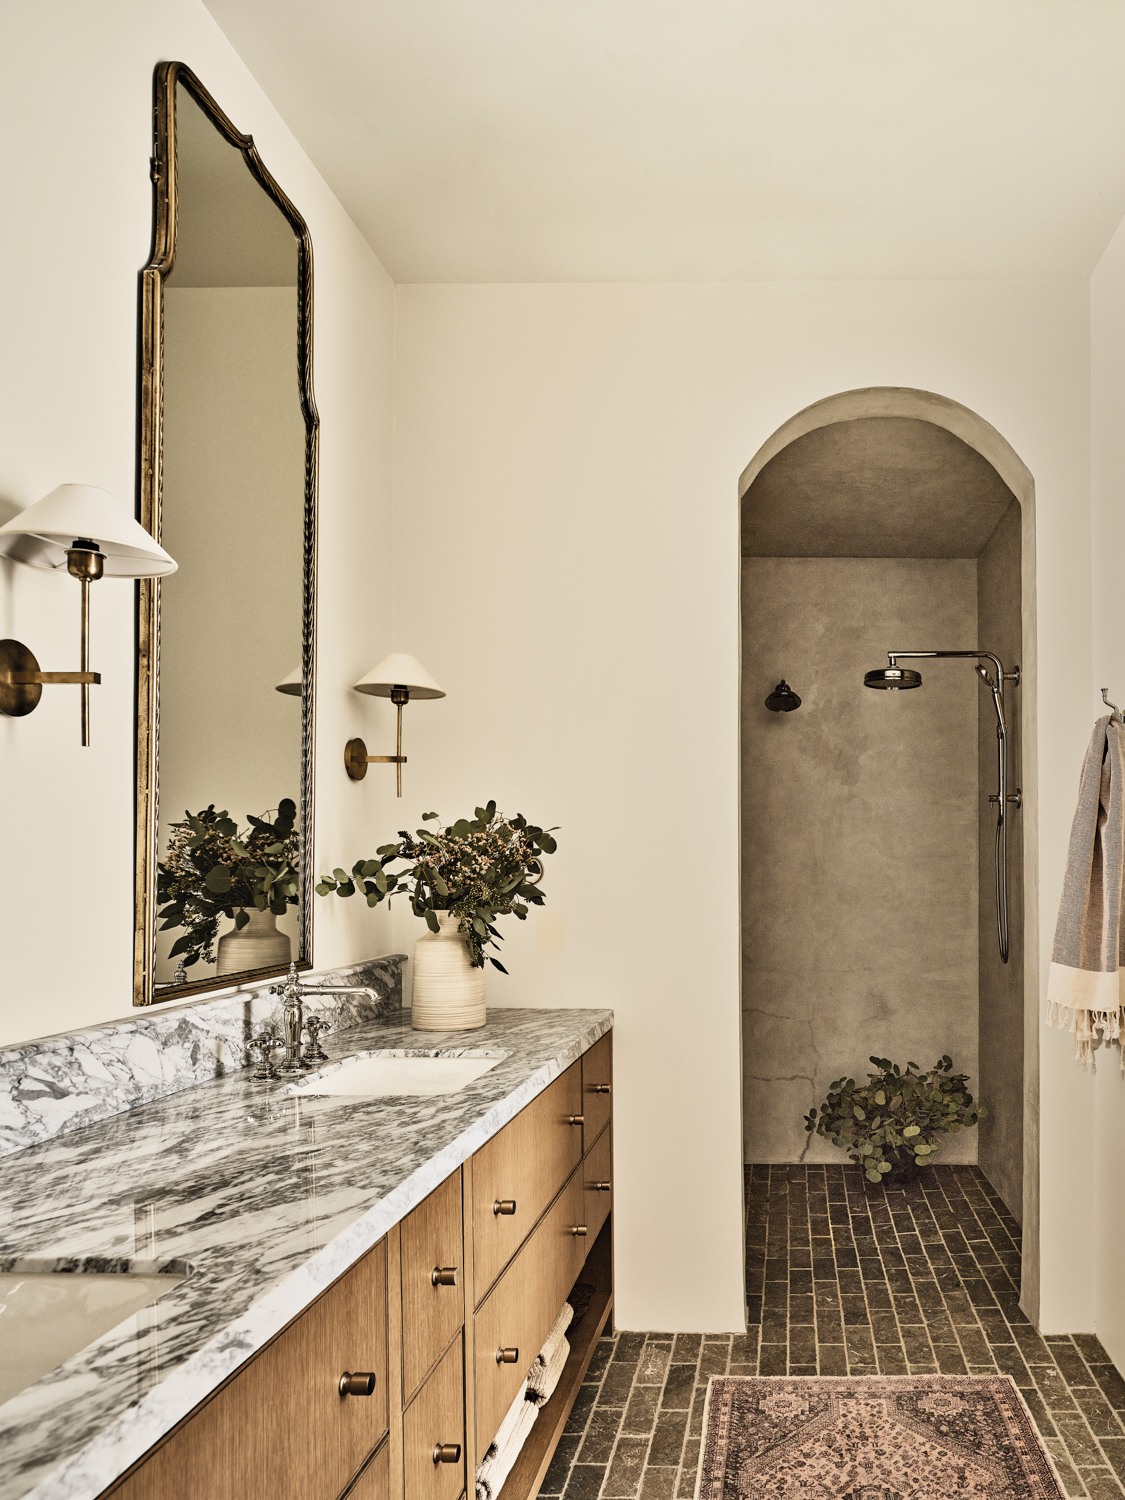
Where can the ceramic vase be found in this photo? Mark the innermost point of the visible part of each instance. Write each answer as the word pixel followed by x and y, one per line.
pixel 258 945
pixel 448 992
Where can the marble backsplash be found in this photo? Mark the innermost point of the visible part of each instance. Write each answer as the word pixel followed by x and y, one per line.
pixel 61 1083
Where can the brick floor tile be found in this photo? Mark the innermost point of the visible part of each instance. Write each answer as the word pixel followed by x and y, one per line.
pixel 689 1469
pixel 1101 1484
pixel 678 1387
pixel 585 1482
pixel 640 1414
pixel 658 1483
pixel 668 1439
pixel 558 1472
pixel 653 1364
pixel 601 1434
pixel 623 1478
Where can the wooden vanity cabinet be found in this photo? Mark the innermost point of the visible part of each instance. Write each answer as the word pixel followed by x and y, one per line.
pixel 426 1311
pixel 280 1429
pixel 518 1172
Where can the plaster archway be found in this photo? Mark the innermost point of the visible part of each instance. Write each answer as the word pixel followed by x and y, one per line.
pixel 977 433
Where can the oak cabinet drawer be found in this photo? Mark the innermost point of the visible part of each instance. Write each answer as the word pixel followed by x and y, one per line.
pixel 522 1306
pixel 597 1185
pixel 436 1419
pixel 597 1085
pixel 525 1164
pixel 280 1430
pixel 432 1311
pixel 375 1481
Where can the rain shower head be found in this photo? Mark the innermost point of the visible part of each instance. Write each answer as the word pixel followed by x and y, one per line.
pixel 892 679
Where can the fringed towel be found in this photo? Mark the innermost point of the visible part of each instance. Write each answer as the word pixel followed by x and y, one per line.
pixel 505 1447
pixel 1084 990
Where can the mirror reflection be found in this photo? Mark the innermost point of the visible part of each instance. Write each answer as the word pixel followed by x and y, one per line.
pixel 231 620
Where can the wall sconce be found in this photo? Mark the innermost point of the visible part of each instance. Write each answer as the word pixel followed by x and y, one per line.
pixel 398 678
pixel 292 684
pixel 85 531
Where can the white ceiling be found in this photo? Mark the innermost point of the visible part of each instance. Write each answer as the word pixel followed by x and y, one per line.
pixel 634 140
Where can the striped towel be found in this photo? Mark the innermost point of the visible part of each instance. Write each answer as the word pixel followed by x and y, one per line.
pixel 505 1447
pixel 1084 992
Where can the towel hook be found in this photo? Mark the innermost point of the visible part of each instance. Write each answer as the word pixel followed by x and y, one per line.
pixel 1117 714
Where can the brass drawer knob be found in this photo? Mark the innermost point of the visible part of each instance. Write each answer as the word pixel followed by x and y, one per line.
pixel 505 1206
pixel 443 1276
pixel 601 1088
pixel 361 1383
pixel 599 1187
pixel 447 1453
pixel 579 1229
pixel 576 1119
pixel 507 1356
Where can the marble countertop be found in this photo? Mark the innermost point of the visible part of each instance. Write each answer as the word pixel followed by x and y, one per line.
pixel 267 1196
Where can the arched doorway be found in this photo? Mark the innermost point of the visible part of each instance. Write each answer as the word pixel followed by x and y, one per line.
pixel 872 519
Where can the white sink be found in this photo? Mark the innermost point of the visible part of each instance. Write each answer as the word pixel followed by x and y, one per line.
pixel 47 1315
pixel 386 1075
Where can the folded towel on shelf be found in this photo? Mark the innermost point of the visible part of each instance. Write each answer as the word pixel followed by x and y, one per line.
pixel 1084 990
pixel 505 1447
pixel 554 1337
pixel 547 1365
pixel 542 1378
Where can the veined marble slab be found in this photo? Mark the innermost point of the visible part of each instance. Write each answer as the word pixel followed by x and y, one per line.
pixel 60 1083
pixel 269 1197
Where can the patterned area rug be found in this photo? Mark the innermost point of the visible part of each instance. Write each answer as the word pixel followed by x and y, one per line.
pixel 872 1437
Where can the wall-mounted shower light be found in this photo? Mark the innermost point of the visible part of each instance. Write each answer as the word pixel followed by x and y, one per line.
pixel 783 700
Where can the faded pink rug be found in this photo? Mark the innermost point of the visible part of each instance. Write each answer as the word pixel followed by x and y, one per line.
pixel 871 1437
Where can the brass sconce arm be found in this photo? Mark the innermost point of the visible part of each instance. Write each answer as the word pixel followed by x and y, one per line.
pixel 22 683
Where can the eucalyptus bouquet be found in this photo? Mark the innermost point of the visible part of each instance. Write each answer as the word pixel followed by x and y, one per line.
pixel 895 1122
pixel 478 869
pixel 213 870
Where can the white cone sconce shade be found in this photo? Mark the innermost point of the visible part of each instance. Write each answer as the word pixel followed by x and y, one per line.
pixel 399 671
pixel 86 532
pixel 398 677
pixel 291 684
pixel 42 535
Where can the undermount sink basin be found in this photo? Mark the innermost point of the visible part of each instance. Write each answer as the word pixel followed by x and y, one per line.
pixel 49 1310
pixel 385 1075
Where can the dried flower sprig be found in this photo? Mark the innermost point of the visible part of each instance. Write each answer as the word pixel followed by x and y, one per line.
pixel 213 870
pixel 478 869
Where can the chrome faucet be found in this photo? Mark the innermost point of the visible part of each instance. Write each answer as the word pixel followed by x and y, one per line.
pixel 299 1059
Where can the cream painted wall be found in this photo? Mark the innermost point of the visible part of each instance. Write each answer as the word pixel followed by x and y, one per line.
pixel 566 561
pixel 1107 1090
pixel 76 110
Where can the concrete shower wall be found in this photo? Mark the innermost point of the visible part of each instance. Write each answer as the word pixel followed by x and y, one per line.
pixel 1001 1040
pixel 860 837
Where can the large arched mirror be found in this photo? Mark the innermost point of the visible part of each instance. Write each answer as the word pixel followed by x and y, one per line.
pixel 228 463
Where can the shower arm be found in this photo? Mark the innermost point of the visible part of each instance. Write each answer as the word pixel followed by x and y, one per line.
pixel 1002 798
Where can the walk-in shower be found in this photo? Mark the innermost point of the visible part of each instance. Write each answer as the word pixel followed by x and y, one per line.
pixel 894 678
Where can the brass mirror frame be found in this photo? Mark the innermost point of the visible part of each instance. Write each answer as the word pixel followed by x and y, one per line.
pixel 149 471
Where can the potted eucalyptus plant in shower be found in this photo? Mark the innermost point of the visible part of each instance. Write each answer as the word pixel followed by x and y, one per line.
pixel 894 1123
pixel 213 869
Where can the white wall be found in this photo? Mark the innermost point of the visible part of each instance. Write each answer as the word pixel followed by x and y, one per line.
pixel 1107 329
pixel 566 563
pixel 75 113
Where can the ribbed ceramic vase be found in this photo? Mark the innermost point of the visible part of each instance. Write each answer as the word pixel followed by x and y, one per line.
pixel 448 992
pixel 257 946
